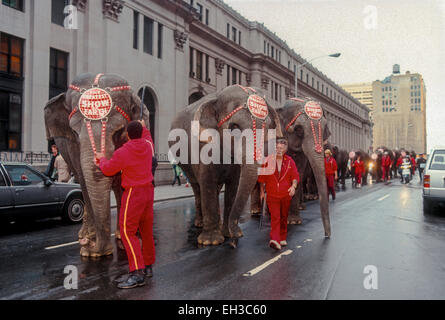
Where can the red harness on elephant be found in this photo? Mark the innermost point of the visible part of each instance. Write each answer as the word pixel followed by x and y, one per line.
pixel 314 112
pixel 257 107
pixel 95 104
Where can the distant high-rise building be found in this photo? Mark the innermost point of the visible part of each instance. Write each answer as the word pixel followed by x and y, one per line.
pixel 362 92
pixel 399 111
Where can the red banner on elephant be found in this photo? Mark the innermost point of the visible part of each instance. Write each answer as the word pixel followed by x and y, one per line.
pixel 95 104
pixel 257 107
pixel 313 110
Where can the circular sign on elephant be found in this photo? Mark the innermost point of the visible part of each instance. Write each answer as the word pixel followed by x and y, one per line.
pixel 257 106
pixel 313 110
pixel 95 104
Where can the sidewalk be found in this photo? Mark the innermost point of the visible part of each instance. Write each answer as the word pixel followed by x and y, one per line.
pixel 163 193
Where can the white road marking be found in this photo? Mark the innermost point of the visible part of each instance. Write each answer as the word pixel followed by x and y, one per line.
pixel 298 247
pixel 65 244
pixel 383 198
pixel 307 240
pixel 266 264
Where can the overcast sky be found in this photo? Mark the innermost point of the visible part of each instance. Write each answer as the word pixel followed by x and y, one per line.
pixel 372 36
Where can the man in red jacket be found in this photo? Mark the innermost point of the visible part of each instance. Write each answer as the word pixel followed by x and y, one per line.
pixel 386 165
pixel 331 172
pixel 134 160
pixel 280 188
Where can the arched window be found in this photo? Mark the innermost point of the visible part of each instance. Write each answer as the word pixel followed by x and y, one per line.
pixel 150 103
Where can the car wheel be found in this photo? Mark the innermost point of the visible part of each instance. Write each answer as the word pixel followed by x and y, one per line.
pixel 74 210
pixel 427 206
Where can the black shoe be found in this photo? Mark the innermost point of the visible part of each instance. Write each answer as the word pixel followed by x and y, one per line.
pixel 148 271
pixel 135 279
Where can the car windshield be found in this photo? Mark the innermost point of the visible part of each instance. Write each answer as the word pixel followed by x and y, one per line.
pixel 438 160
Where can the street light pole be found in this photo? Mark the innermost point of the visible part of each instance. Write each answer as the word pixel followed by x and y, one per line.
pixel 333 55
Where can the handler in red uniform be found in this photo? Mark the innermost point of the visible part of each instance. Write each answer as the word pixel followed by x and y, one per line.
pixel 386 165
pixel 413 165
pixel 331 172
pixel 134 160
pixel 359 170
pixel 280 188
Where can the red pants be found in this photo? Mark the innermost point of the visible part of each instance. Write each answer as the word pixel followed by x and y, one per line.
pixel 358 178
pixel 279 210
pixel 385 173
pixel 330 181
pixel 137 213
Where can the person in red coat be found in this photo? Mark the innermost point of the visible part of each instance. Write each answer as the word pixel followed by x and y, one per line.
pixel 386 166
pixel 413 165
pixel 331 170
pixel 281 178
pixel 359 170
pixel 134 160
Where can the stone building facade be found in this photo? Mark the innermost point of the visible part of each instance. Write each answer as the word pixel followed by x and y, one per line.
pixel 178 50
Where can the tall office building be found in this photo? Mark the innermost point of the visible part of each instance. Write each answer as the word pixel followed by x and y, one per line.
pixel 400 111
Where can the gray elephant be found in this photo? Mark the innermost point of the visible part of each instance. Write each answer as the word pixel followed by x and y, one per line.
pixel 232 108
pixel 92 117
pixel 307 132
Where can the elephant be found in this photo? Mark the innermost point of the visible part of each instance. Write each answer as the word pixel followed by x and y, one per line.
pixel 72 121
pixel 219 111
pixel 306 137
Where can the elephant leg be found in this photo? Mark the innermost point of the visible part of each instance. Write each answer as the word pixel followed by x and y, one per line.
pixel 255 201
pixel 211 232
pixel 198 214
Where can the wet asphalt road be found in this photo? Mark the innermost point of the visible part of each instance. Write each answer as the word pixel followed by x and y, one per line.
pixel 379 225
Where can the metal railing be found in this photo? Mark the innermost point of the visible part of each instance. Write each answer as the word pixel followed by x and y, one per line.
pixel 29 157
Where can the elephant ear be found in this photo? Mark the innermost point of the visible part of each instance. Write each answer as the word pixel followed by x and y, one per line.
pixel 206 114
pixel 56 114
pixel 135 110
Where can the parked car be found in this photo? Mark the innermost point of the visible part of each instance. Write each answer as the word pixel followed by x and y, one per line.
pixel 434 180
pixel 26 193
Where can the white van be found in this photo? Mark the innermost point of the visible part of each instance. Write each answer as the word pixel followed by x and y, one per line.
pixel 434 180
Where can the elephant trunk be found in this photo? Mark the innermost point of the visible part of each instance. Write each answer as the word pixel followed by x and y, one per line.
pixel 248 179
pixel 317 163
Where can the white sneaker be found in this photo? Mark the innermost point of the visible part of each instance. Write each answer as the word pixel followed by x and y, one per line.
pixel 274 244
pixel 283 243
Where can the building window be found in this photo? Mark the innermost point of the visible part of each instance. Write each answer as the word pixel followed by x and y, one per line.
pixel 148 35
pixel 276 91
pixel 307 78
pixel 234 34
pixel 200 11
pixel 273 52
pixel 239 37
pixel 11 55
pixel 57 11
pixel 199 65
pixel 228 75
pixel 318 85
pixel 312 82
pixel 10 121
pixel 58 72
pixel 135 30
pixel 264 46
pixel 301 75
pixel 15 4
pixel 268 47
pixel 191 65
pixel 234 77
pixel 160 34
pixel 207 16
pixel 228 31
pixel 207 68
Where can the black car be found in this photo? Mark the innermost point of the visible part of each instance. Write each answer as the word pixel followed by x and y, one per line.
pixel 26 193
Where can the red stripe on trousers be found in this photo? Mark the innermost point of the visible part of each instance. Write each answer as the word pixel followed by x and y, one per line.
pixel 279 211
pixel 139 216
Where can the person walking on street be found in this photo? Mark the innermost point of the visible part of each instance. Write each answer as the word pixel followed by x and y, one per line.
pixel 399 167
pixel 49 172
pixel 280 183
pixel 63 172
pixel 413 164
pixel 359 170
pixel 178 173
pixel 331 172
pixel 386 166
pixel 134 160
pixel 421 165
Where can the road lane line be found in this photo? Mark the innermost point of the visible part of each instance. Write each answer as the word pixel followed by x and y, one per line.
pixel 383 198
pixel 65 244
pixel 266 264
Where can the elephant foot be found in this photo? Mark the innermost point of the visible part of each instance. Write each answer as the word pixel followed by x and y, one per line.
pixel 207 238
pixel 120 244
pixel 255 212
pixel 302 207
pixel 233 243
pixel 294 220
pixel 315 197
pixel 327 235
pixel 90 251
pixel 236 232
pixel 117 235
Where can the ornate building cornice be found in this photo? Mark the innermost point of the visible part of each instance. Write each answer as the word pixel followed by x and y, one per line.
pixel 81 5
pixel 180 39
pixel 219 64
pixel 112 9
